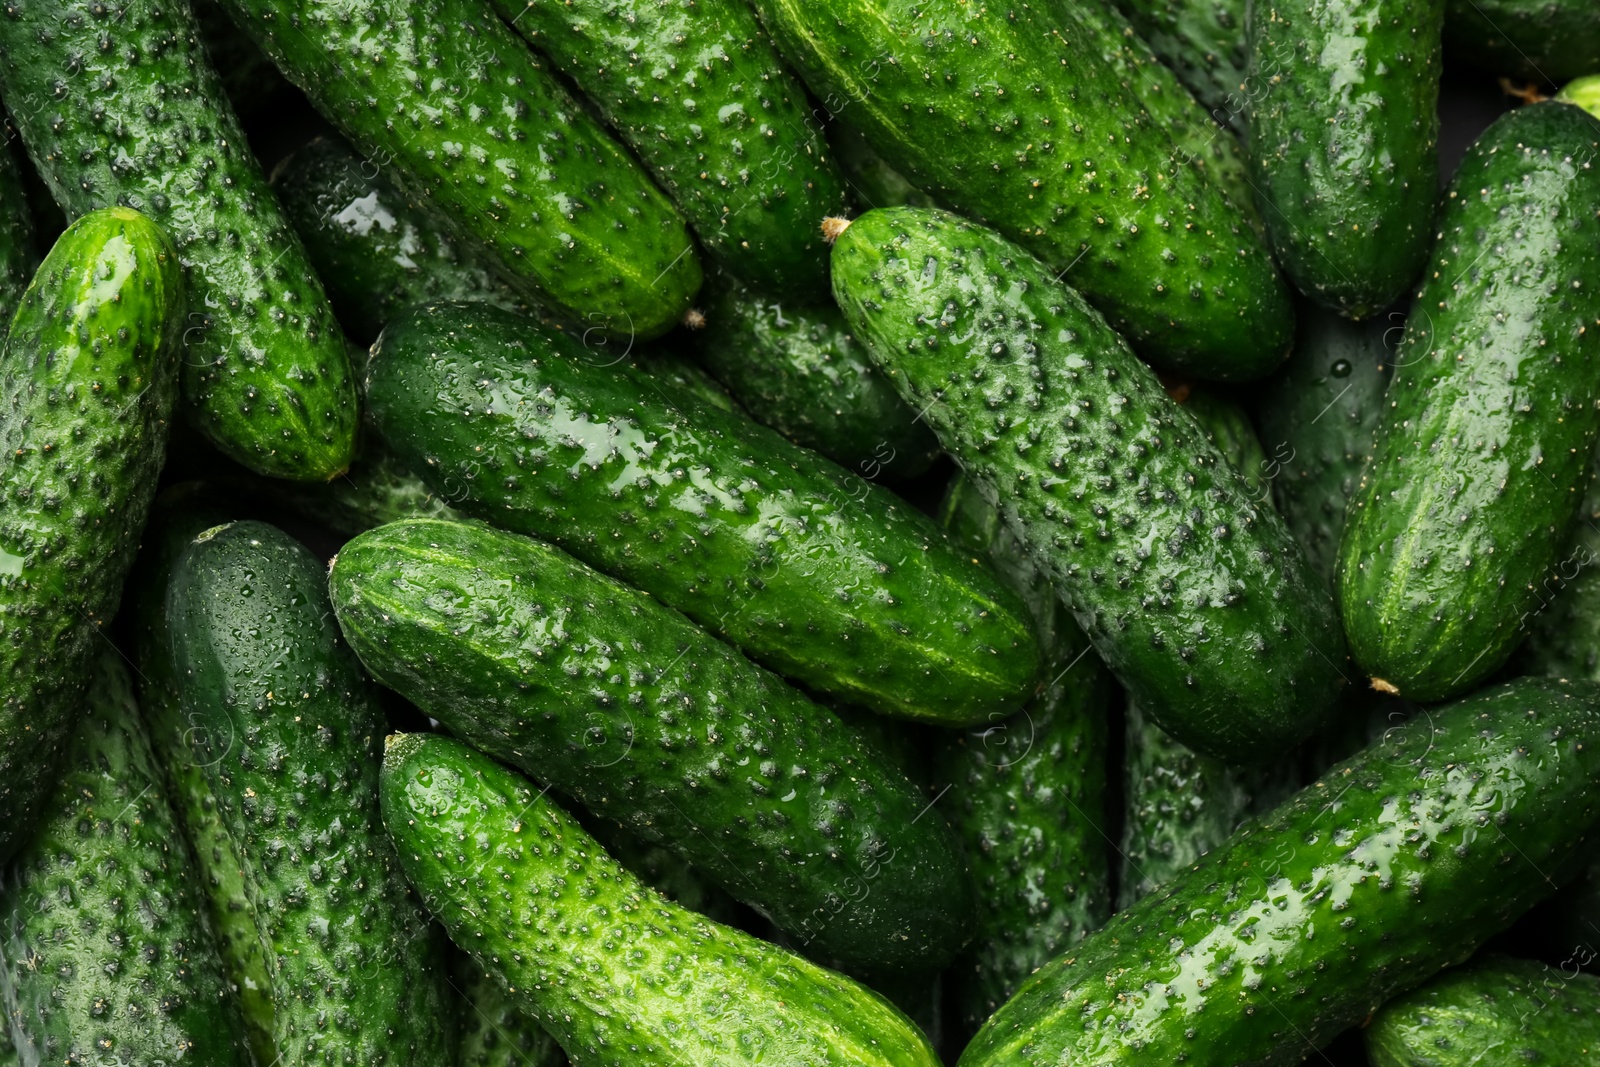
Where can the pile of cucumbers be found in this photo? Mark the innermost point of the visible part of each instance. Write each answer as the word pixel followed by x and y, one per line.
pixel 813 533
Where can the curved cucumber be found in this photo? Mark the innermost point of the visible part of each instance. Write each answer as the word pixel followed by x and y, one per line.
pixel 1395 864
pixel 491 857
pixel 1483 453
pixel 475 125
pixel 1549 40
pixel 1202 41
pixel 622 704
pixel 819 574
pixel 106 955
pixel 87 385
pixel 1194 595
pixel 145 123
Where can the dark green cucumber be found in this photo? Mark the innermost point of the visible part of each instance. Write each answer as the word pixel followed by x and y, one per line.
pixel 1494 1012
pixel 87 384
pixel 1228 425
pixel 1029 790
pixel 698 91
pixel 622 973
pixel 1194 595
pixel 1202 41
pixel 1395 864
pixel 795 367
pixel 106 955
pixel 144 122
pixel 871 181
pixel 18 254
pixel 817 573
pixel 286 732
pixel 1318 416
pixel 1344 138
pixel 622 704
pixel 1014 117
pixel 494 1031
pixel 1551 40
pixel 474 124
pixel 1483 453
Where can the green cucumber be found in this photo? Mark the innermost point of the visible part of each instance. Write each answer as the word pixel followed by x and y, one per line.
pixel 377 250
pixel 106 955
pixel 1494 1012
pixel 117 104
pixel 285 730
pixel 1318 417
pixel 621 973
pixel 1393 865
pixel 1563 622
pixel 698 91
pixel 87 385
pixel 817 573
pixel 1483 453
pixel 18 255
pixel 1193 594
pixel 494 1031
pixel 475 125
pixel 872 182
pixel 1202 41
pixel 1228 425
pixel 377 488
pixel 1585 92
pixel 1014 117
pixel 623 705
pixel 795 368
pixel 1344 140
pixel 1549 40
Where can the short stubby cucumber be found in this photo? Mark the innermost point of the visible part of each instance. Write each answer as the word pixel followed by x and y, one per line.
pixel 87 385
pixel 1194 595
pixel 1550 40
pixel 1494 1012
pixel 1013 115
pixel 601 961
pixel 622 704
pixel 699 93
pixel 104 952
pixel 143 122
pixel 475 125
pixel 1483 451
pixel 1393 865
pixel 286 731
pixel 1202 41
pixel 819 574
pixel 1344 138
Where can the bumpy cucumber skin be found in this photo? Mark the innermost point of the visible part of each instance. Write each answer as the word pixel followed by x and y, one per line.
pixel 1563 622
pixel 1029 791
pixel 796 368
pixel 601 692
pixel 1494 1012
pixel 106 954
pixel 1318 417
pixel 1483 454
pixel 145 123
pixel 1013 116
pixel 1194 595
pixel 475 125
pixel 494 1031
pixel 1202 41
pixel 621 974
pixel 872 182
pixel 286 731
pixel 376 249
pixel 820 575
pixel 1551 40
pixel 18 254
pixel 1344 137
pixel 1228 424
pixel 1395 864
pixel 87 385
pixel 698 91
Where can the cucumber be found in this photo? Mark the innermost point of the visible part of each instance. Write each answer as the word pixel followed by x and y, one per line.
pixel 1318 416
pixel 87 384
pixel 623 705
pixel 818 574
pixel 474 124
pixel 1494 1012
pixel 377 250
pixel 1013 116
pixel 1550 40
pixel 377 489
pixel 1344 142
pixel 1202 41
pixel 1228 425
pixel 106 955
pixel 795 368
pixel 623 974
pixel 1029 790
pixel 1563 622
pixel 1195 596
pixel 18 255
pixel 494 1031
pixel 144 123
pixel 698 91
pixel 664 871
pixel 1395 864
pixel 871 181
pixel 1585 92
pixel 285 730
pixel 1482 457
